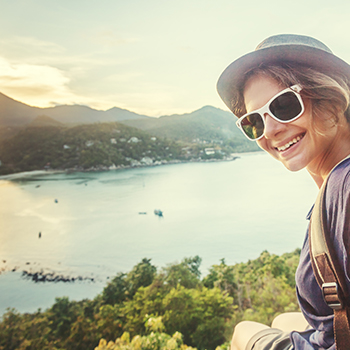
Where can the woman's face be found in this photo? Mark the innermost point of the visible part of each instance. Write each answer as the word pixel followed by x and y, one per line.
pixel 297 144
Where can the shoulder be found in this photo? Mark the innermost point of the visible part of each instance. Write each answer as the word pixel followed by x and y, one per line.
pixel 338 183
pixel 337 208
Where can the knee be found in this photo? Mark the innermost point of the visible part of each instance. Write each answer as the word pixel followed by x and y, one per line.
pixel 290 321
pixel 243 333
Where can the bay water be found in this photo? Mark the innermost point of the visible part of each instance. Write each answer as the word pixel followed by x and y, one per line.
pixel 97 224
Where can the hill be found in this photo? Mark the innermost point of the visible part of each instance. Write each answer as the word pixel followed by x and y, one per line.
pixel 208 125
pixel 15 113
pixel 44 120
pixel 79 137
pixel 205 123
pixel 90 146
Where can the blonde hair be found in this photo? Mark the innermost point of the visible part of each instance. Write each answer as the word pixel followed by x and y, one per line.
pixel 329 93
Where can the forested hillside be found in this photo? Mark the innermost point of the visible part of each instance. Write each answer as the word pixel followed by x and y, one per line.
pixel 48 144
pixel 81 138
pixel 91 146
pixel 150 308
pixel 208 124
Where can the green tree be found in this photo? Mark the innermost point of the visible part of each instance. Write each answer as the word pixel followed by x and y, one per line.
pixel 221 276
pixel 173 300
pixel 199 314
pixel 115 291
pixel 28 331
pixel 154 340
pixel 142 275
pixel 147 302
pixel 186 274
pixel 61 316
pixel 124 286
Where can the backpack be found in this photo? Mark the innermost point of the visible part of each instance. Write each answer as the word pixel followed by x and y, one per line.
pixel 328 272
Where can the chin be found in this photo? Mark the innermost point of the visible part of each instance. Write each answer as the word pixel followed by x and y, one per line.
pixel 293 166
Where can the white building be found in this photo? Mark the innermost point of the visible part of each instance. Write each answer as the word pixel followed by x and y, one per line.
pixel 147 161
pixel 209 151
pixel 134 139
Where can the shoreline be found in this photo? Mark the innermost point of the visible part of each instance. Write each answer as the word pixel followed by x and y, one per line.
pixel 33 173
pixel 40 273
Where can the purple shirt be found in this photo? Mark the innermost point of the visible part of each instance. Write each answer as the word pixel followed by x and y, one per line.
pixel 315 310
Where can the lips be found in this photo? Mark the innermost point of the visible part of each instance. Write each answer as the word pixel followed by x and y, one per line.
pixel 290 143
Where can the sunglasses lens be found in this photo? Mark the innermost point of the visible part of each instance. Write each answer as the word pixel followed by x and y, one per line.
pixel 253 125
pixel 286 106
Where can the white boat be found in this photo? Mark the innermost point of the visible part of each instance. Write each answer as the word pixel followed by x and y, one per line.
pixel 158 212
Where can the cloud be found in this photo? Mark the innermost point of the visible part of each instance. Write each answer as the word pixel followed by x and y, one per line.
pixel 44 74
pixel 45 86
pixel 33 84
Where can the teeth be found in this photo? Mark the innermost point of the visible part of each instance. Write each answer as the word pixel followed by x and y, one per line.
pixel 287 145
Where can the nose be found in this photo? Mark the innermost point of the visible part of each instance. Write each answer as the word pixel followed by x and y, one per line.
pixel 272 127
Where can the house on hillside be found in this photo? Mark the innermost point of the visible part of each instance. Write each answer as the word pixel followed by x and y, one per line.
pixel 209 151
pixel 134 162
pixel 186 150
pixel 147 161
pixel 134 139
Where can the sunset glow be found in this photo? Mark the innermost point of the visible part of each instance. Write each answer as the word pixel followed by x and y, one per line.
pixel 151 57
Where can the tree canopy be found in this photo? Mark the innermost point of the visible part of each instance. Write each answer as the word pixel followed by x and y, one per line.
pixel 168 307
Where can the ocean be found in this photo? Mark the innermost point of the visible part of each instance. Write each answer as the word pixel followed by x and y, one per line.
pixel 94 225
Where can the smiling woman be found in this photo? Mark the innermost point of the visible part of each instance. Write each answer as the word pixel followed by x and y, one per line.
pixel 319 131
pixel 291 96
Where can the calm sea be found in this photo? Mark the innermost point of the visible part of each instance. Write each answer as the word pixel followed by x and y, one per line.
pixel 97 224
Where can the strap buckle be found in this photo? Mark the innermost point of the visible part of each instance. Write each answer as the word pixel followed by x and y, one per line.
pixel 331 295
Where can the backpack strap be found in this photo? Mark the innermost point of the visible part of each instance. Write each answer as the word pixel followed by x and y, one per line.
pixel 328 272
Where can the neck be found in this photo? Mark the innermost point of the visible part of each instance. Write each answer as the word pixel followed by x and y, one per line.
pixel 317 178
pixel 320 168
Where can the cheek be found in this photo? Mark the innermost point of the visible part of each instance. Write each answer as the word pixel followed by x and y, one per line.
pixel 262 144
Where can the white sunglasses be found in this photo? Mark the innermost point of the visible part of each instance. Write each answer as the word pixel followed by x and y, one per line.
pixel 284 107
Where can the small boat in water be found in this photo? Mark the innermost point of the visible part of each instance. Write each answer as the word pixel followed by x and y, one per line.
pixel 158 212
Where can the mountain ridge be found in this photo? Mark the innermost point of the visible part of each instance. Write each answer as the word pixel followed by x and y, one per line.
pixel 16 113
pixel 206 125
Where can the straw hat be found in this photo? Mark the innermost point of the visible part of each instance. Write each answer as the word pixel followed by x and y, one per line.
pixel 281 48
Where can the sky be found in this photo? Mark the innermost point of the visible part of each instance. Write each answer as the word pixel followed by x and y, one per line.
pixel 152 57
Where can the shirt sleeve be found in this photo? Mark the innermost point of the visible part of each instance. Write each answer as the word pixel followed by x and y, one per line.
pixel 337 203
pixel 315 310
